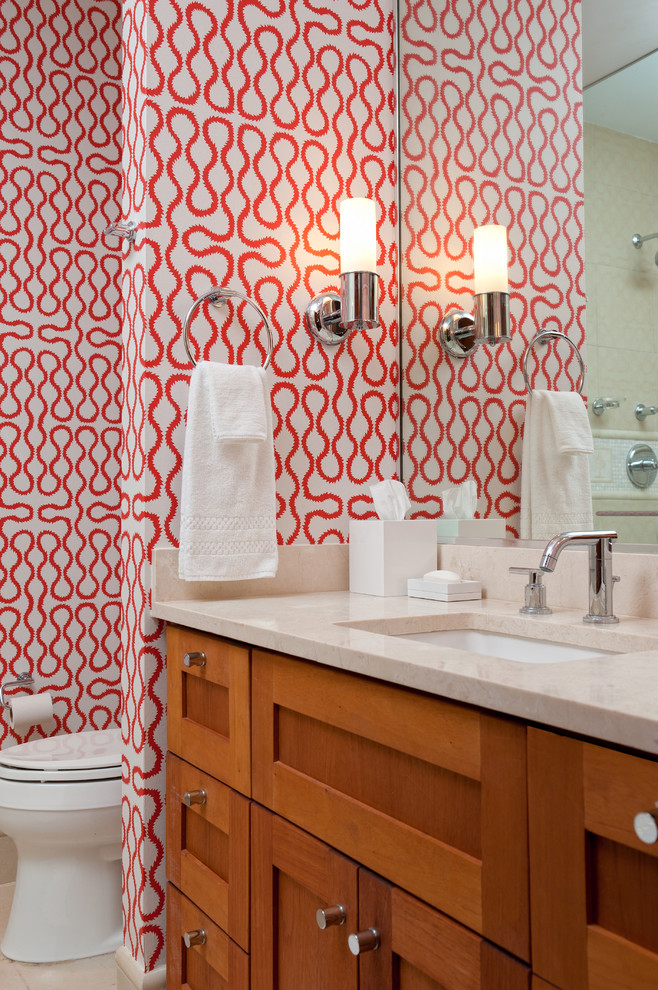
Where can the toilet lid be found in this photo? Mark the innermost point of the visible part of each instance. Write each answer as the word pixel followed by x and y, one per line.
pixel 73 756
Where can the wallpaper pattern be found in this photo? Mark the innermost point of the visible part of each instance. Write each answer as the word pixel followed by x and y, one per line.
pixel 60 356
pixel 491 132
pixel 245 124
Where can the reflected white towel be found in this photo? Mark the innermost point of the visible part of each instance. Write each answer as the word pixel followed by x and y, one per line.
pixel 555 486
pixel 228 502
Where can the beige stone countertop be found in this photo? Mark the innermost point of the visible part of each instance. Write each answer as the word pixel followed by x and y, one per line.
pixel 612 698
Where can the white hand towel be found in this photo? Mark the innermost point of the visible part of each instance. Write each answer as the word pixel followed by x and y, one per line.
pixel 228 502
pixel 555 486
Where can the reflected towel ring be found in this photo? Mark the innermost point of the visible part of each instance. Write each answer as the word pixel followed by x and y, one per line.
pixel 217 296
pixel 543 338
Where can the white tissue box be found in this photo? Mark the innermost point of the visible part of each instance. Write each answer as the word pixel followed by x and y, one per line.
pixel 449 530
pixel 384 553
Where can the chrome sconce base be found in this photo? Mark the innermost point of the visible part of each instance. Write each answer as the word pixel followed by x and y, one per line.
pixel 460 333
pixel 330 317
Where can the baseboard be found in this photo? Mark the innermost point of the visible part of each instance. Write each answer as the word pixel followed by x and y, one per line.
pixel 131 976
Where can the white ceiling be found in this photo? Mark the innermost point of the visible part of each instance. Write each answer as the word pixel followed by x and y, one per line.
pixel 617 33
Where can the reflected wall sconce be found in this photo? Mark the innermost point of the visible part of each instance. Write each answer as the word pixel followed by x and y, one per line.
pixel 460 333
pixel 330 317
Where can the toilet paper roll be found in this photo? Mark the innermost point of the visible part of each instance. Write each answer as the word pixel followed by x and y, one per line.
pixel 29 709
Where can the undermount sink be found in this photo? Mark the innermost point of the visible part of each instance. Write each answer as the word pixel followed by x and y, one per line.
pixel 523 649
pixel 477 634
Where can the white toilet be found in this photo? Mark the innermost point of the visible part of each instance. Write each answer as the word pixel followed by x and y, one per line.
pixel 60 801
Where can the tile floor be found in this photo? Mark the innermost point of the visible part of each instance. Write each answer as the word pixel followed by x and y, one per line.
pixel 98 973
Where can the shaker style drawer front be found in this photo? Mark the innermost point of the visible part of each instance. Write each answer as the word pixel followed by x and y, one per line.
pixel 199 954
pixel 429 794
pixel 208 846
pixel 594 878
pixel 208 691
pixel 422 948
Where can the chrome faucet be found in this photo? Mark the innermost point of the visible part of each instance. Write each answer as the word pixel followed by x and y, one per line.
pixel 601 578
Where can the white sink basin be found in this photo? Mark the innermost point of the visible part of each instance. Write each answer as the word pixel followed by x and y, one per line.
pixel 523 649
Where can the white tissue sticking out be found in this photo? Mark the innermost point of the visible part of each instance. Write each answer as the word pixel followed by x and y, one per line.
pixel 441 576
pixel 460 502
pixel 391 499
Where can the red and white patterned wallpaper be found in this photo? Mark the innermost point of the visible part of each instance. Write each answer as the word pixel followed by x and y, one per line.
pixel 245 124
pixel 490 119
pixel 60 356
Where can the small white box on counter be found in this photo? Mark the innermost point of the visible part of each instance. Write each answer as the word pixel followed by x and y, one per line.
pixel 384 554
pixel 444 591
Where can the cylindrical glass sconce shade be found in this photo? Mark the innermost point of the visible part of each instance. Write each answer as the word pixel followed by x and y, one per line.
pixel 358 236
pixel 490 259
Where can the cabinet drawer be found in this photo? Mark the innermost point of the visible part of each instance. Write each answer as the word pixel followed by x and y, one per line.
pixel 208 846
pixel 218 962
pixel 208 705
pixel 594 883
pixel 429 794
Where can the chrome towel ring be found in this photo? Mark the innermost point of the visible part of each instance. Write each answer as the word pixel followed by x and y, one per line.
pixel 217 296
pixel 542 338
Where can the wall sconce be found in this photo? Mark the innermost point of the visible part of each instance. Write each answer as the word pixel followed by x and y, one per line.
pixel 459 332
pixel 329 316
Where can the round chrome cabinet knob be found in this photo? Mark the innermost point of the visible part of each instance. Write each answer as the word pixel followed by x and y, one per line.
pixel 364 941
pixel 326 917
pixel 194 660
pixel 646 827
pixel 194 797
pixel 197 937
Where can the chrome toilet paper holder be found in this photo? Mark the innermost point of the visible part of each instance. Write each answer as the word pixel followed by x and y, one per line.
pixel 23 680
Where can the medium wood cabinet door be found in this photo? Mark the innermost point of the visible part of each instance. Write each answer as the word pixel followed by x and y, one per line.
pixel 293 876
pixel 594 883
pixel 427 793
pixel 208 702
pixel 215 963
pixel 421 949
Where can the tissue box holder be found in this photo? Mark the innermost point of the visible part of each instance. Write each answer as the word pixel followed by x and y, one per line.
pixel 384 554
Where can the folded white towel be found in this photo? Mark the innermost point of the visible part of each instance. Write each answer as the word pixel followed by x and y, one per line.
pixel 237 407
pixel 571 429
pixel 228 502
pixel 555 486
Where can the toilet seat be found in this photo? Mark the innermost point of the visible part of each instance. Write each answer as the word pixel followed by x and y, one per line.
pixel 76 756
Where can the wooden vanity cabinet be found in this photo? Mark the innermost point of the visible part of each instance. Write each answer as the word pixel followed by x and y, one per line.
pixel 427 793
pixel 594 883
pixel 417 948
pixel 479 848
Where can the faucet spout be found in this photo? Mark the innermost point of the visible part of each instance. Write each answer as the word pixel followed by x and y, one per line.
pixel 555 546
pixel 601 578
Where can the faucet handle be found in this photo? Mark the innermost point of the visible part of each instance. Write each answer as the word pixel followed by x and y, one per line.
pixel 535 591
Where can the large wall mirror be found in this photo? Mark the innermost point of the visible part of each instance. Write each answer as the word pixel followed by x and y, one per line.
pixel 491 131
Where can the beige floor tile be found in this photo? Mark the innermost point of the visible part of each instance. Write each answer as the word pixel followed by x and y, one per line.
pixel 10 977
pixel 97 973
